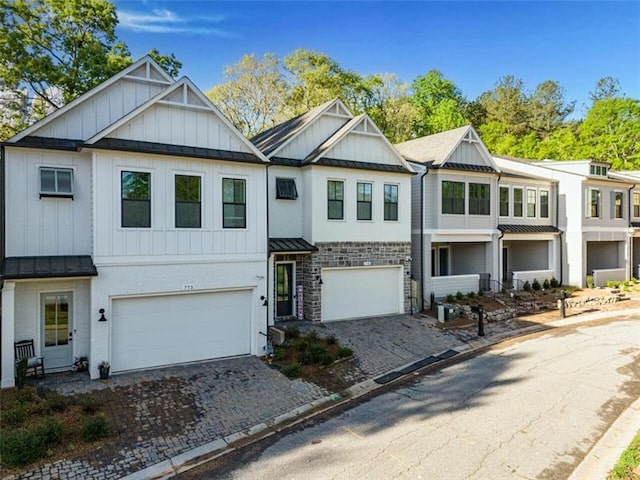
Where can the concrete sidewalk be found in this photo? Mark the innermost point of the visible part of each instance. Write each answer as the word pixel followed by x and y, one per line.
pixel 167 420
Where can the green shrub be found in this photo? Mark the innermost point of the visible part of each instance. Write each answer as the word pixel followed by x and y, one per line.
pixel 95 427
pixel 546 285
pixel 450 298
pixel 89 403
pixel 471 295
pixel 314 355
pixel 15 415
pixel 50 432
pixel 345 352
pixel 481 293
pixel 554 282
pixel 301 344
pixel 21 372
pixel 55 402
pixel 291 333
pixel 459 295
pixel 331 340
pixel 26 395
pixel 312 336
pixel 527 286
pixel 20 447
pixel 590 283
pixel 291 371
pixel 279 353
pixel 536 285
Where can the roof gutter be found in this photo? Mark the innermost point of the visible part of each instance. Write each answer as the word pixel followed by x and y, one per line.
pixel 561 246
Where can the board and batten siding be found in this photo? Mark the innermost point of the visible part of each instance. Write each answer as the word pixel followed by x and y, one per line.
pixel 101 110
pixel 350 229
pixel 467 154
pixel 181 126
pixel 315 134
pixel 48 225
pixel 163 239
pixel 363 147
pixel 525 185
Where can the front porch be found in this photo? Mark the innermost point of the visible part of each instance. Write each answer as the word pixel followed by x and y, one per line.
pixel 605 262
pixel 460 267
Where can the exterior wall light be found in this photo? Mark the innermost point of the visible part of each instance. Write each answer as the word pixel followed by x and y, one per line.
pixel 102 317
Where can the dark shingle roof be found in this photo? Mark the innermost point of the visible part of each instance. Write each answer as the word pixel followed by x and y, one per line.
pixel 49 267
pixel 635 224
pixel 528 229
pixel 289 162
pixel 179 150
pixel 50 143
pixel 334 162
pixel 283 245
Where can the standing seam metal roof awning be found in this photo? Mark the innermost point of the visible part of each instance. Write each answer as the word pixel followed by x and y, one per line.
pixel 289 245
pixel 528 229
pixel 49 267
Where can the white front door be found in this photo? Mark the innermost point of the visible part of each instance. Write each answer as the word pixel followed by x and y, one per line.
pixel 56 329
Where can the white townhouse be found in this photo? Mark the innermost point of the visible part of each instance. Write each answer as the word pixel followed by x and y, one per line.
pixel 632 179
pixel 475 225
pixel 593 214
pixel 135 230
pixel 339 218
pixel 454 219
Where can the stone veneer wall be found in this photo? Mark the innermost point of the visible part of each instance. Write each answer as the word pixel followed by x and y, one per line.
pixel 351 254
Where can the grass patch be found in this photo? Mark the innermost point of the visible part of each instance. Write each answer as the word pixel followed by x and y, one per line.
pixel 43 424
pixel 302 355
pixel 629 460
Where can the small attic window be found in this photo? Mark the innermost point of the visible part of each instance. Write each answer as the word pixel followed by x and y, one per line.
pixel 286 189
pixel 56 182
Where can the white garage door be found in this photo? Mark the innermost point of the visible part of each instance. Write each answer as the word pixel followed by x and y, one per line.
pixel 164 330
pixel 361 292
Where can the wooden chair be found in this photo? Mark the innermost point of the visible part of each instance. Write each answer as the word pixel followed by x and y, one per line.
pixel 26 349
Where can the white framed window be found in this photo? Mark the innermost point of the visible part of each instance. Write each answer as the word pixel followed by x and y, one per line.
pixel 531 202
pixel 636 204
pixel 364 194
pixel 504 201
pixel 56 182
pixel 544 203
pixel 234 203
pixel 517 202
pixel 135 199
pixel 594 203
pixel 188 201
pixel 335 199
pixel 617 203
pixel 390 202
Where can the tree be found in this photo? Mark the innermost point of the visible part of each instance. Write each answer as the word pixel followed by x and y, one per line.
pixel 611 133
pixel 169 63
pixel 253 95
pixel 606 88
pixel 438 103
pixel 507 104
pixel 547 108
pixel 389 107
pixel 315 78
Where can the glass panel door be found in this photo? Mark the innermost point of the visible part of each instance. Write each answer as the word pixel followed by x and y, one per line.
pixel 284 292
pixel 56 313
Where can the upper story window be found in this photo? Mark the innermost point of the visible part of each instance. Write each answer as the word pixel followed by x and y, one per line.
pixel 594 203
pixel 616 203
pixel 391 202
pixel 531 203
pixel 364 201
pixel 234 203
pixel 188 204
pixel 286 189
pixel 504 201
pixel 599 170
pixel 135 199
pixel 335 200
pixel 544 203
pixel 517 202
pixel 453 197
pixel 479 199
pixel 636 204
pixel 56 182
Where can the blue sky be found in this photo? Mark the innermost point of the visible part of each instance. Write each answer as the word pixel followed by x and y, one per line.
pixel 472 43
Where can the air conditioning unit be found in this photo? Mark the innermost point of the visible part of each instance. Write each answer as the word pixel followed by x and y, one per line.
pixel 276 335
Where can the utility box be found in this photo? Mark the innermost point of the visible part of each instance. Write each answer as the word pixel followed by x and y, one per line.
pixel 447 312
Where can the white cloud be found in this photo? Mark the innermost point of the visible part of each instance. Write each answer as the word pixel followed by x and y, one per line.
pixel 166 21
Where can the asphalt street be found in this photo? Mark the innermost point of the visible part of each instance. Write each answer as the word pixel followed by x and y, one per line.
pixel 528 409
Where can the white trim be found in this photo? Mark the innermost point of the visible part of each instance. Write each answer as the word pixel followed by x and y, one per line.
pixel 335 102
pixel 72 314
pixel 110 81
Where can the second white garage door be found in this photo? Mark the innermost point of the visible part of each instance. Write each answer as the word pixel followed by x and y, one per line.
pixel 361 292
pixel 170 329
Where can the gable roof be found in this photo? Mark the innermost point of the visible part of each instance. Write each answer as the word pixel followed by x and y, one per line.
pixel 183 91
pixel 272 140
pixel 145 65
pixel 437 148
pixel 370 128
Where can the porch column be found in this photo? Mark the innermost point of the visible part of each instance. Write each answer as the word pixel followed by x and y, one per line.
pixel 8 335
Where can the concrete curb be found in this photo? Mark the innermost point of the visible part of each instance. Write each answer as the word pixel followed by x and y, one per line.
pixel 217 448
pixel 606 452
